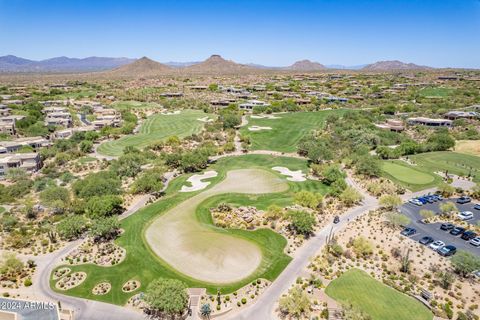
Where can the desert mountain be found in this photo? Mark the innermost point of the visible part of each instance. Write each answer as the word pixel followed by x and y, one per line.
pixel 306 65
pixel 393 65
pixel 143 67
pixel 216 64
pixel 60 64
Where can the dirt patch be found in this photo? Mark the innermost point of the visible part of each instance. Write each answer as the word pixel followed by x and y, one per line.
pixel 71 281
pixel 102 288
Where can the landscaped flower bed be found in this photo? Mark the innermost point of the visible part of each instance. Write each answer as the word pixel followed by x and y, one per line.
pixel 59 273
pixel 70 281
pixel 131 285
pixel 101 288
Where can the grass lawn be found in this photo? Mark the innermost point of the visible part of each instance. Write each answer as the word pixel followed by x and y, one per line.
pixel 471 147
pixel 127 105
pixel 155 128
pixel 86 159
pixel 453 162
pixel 286 131
pixel 436 92
pixel 409 176
pixel 379 301
pixel 142 264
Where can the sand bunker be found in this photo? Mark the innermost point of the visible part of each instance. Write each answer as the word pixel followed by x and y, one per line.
pixel 205 119
pixel 199 250
pixel 171 113
pixel 197 183
pixel 266 116
pixel 293 175
pixel 258 128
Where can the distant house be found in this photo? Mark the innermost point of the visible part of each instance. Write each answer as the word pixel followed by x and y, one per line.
pixel 453 115
pixel 392 125
pixel 30 162
pixel 430 122
pixel 8 128
pixel 4 110
pixel 14 145
pixel 249 105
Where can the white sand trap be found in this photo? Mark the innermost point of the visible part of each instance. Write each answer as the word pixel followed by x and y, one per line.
pixel 171 113
pixel 266 116
pixel 205 119
pixel 258 128
pixel 198 250
pixel 197 183
pixel 293 175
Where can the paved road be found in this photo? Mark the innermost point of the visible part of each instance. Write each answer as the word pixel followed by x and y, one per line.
pixel 433 229
pixel 263 309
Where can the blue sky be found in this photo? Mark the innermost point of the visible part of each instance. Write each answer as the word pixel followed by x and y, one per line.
pixel 438 33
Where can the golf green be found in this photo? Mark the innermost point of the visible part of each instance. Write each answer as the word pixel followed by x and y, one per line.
pixel 379 301
pixel 406 173
pixel 286 129
pixel 156 128
pixel 145 263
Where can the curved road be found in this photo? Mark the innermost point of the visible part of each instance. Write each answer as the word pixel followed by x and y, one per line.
pixel 263 309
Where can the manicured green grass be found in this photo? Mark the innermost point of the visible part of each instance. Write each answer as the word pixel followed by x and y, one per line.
pixel 86 159
pixel 379 301
pixel 127 105
pixel 453 162
pixel 2 209
pixel 287 131
pixel 437 92
pixel 142 264
pixel 409 176
pixel 419 177
pixel 156 128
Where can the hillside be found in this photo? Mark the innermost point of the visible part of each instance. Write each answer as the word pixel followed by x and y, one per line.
pixel 15 64
pixel 216 64
pixel 143 67
pixel 393 65
pixel 306 65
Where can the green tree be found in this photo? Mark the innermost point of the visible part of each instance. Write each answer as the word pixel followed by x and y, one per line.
pixel 97 184
pixel 426 214
pixel 57 198
pixel 397 219
pixel 390 201
pixel 308 199
pixel 16 174
pixel 448 208
pixel 302 222
pixel 350 196
pixel 10 265
pixel 149 181
pixel 103 206
pixel 86 146
pixel 295 303
pixel 71 227
pixel 446 190
pixel 105 228
pixel 465 262
pixel 166 297
pixel 362 247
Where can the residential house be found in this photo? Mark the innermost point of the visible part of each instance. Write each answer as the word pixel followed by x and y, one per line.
pixel 14 145
pixel 30 162
pixel 249 105
pixel 430 122
pixel 453 115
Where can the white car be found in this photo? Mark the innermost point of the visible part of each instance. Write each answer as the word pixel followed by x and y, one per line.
pixel 475 242
pixel 416 202
pixel 435 245
pixel 465 215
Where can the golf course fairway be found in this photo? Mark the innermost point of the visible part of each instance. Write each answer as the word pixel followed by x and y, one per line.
pixel 200 252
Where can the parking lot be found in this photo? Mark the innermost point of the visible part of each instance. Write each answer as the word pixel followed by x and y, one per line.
pixel 433 229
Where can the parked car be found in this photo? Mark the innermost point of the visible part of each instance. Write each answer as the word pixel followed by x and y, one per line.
pixel 447 251
pixel 463 200
pixel 447 226
pixel 457 231
pixel 426 240
pixel 437 244
pixel 475 242
pixel 336 219
pixel 468 235
pixel 408 232
pixel 423 200
pixel 477 206
pixel 438 196
pixel 415 202
pixel 465 215
pixel 429 199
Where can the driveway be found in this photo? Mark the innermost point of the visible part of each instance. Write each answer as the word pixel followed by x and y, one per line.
pixel 433 229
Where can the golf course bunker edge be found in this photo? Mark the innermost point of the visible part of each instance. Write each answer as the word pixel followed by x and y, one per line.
pixel 201 252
